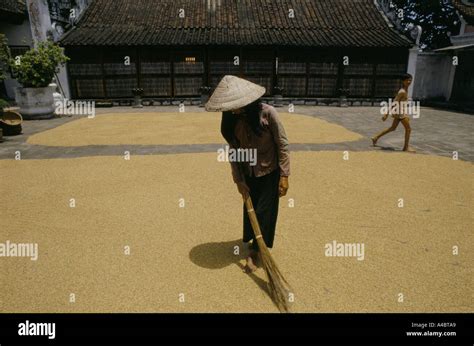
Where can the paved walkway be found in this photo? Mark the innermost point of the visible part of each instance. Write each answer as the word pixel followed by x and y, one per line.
pixel 436 132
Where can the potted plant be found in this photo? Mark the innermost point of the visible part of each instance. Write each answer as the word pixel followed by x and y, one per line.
pixel 3 104
pixel 343 97
pixel 4 56
pixel 204 91
pixel 35 70
pixel 10 122
pixel 278 96
pixel 137 93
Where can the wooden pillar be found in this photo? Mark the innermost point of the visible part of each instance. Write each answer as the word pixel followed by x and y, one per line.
pixel 340 74
pixel 71 81
pixel 374 79
pixel 104 85
pixel 274 83
pixel 307 62
pixel 241 60
pixel 207 67
pixel 172 55
pixel 138 67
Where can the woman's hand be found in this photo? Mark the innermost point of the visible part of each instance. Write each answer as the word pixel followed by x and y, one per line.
pixel 243 189
pixel 283 186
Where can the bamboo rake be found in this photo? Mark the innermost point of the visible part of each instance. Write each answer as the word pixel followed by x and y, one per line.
pixel 278 286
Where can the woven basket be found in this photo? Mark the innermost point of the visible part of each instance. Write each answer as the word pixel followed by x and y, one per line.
pixel 10 123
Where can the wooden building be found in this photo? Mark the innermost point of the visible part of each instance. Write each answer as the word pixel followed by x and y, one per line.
pixel 172 48
pixel 463 49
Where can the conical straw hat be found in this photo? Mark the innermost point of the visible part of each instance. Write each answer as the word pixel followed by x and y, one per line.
pixel 233 92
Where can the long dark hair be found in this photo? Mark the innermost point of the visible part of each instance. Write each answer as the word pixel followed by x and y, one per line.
pixel 252 116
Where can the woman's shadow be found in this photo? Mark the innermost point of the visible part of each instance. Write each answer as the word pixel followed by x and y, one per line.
pixel 222 254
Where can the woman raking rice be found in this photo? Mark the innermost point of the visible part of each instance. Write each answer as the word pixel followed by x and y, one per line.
pixel 249 124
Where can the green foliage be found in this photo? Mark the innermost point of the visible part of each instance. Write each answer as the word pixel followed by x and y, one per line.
pixel 3 104
pixel 437 18
pixel 36 68
pixel 4 56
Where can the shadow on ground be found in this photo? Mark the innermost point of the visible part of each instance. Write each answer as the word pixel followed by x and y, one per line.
pixel 219 255
pixel 387 148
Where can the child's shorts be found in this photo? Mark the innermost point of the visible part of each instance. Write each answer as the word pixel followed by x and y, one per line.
pixel 400 116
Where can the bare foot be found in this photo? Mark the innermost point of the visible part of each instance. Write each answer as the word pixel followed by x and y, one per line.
pixel 409 150
pixel 374 141
pixel 250 266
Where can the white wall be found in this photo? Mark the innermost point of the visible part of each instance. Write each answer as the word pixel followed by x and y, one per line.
pixel 433 76
pixel 39 19
pixel 17 35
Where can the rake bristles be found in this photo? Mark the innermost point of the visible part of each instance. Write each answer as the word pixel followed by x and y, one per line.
pixel 278 286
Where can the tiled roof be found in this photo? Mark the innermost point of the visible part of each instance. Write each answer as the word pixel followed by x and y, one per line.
pixel 466 8
pixel 17 7
pixel 324 23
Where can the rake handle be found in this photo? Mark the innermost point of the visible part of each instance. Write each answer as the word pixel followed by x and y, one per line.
pixel 251 213
pixel 253 217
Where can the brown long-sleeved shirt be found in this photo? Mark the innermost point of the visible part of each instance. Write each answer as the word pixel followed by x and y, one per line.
pixel 272 146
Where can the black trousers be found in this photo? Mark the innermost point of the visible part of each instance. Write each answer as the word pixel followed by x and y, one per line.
pixel 265 197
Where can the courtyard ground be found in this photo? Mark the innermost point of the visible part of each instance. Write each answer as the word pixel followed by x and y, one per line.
pixel 174 206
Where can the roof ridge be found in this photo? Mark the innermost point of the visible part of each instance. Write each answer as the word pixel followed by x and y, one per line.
pixel 235 22
pixel 391 26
